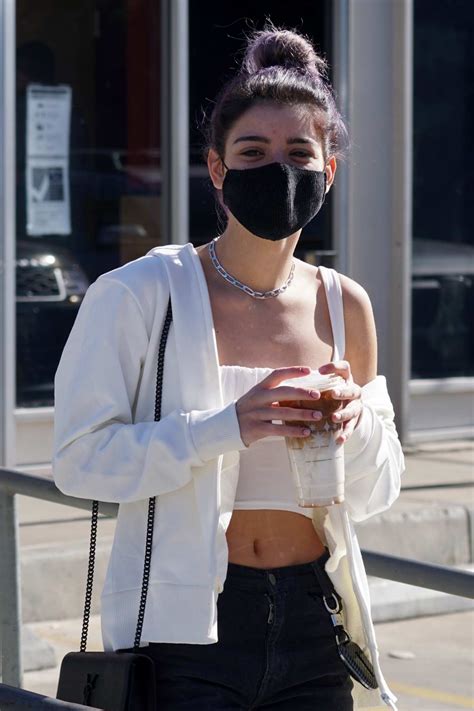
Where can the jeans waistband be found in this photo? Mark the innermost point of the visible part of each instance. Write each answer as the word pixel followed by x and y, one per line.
pixel 260 579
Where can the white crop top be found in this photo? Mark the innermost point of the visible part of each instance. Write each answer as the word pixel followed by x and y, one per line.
pixel 265 477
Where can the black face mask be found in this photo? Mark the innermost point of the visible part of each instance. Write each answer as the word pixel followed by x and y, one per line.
pixel 275 200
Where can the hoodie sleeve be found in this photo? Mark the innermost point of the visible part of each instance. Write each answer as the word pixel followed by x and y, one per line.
pixel 99 452
pixel 374 460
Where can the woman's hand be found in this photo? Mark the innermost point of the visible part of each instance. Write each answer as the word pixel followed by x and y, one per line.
pixel 350 392
pixel 259 406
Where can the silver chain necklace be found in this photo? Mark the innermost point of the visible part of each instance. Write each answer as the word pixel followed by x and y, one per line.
pixel 235 282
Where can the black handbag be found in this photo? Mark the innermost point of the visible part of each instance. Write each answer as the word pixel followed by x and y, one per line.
pixel 118 680
pixel 354 658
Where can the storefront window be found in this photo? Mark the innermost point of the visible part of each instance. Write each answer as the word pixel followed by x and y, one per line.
pixel 443 209
pixel 87 166
pixel 220 27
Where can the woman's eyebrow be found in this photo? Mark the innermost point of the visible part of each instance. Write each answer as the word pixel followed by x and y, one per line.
pixel 301 140
pixel 263 139
pixel 260 139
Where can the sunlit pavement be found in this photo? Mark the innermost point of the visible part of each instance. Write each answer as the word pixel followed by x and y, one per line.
pixel 428 661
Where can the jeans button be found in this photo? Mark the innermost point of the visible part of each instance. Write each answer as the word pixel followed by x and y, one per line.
pixel 272 578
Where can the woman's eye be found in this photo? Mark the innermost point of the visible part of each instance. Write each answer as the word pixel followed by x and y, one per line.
pixel 301 154
pixel 251 152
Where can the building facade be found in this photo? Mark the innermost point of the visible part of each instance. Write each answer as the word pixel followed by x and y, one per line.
pixel 101 159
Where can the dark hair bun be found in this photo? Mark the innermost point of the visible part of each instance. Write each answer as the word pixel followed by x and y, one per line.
pixel 279 65
pixel 285 48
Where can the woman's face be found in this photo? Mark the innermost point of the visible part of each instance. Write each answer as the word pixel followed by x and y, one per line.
pixel 269 133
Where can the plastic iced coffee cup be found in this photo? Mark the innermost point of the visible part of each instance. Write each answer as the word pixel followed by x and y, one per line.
pixel 317 461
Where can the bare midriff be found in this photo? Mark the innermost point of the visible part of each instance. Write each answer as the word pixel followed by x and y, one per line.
pixel 265 538
pixel 297 329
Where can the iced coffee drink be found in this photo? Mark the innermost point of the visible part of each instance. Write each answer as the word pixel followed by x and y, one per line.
pixel 317 461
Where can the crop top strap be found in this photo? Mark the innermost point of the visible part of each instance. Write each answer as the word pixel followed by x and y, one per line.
pixel 332 285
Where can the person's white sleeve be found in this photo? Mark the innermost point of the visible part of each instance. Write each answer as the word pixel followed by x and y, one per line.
pixel 99 452
pixel 374 460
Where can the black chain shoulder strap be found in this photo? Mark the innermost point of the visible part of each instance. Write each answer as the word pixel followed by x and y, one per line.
pixel 150 521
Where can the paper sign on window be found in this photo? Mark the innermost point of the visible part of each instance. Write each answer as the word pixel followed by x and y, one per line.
pixel 47 160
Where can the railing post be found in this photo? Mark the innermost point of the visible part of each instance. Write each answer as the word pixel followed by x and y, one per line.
pixel 11 671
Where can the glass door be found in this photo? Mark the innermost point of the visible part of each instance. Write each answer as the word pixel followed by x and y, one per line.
pixel 88 169
pixel 443 209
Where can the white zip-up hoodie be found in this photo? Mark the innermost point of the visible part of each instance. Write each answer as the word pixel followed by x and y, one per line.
pixel 107 446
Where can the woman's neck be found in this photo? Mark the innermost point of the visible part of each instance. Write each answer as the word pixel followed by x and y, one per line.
pixel 261 264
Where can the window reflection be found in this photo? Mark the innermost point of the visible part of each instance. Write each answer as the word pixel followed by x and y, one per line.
pixel 88 178
pixel 442 306
pixel 443 210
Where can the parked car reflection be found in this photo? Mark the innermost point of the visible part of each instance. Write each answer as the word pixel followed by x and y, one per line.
pixel 50 286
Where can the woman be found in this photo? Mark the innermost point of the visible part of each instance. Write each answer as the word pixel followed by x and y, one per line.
pixel 234 615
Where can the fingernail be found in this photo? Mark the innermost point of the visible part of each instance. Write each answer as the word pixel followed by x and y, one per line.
pixel 337 416
pixel 337 393
pixel 306 432
pixel 317 415
pixel 315 394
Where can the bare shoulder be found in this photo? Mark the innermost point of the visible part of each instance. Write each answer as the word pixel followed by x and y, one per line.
pixel 356 299
pixel 360 330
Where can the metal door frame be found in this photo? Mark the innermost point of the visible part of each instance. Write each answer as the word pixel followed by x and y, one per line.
pixel 7 233
pixel 175 120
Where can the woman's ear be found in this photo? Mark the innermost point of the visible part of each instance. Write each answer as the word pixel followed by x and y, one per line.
pixel 331 167
pixel 216 168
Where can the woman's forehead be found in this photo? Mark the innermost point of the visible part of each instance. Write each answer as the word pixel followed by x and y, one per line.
pixel 276 121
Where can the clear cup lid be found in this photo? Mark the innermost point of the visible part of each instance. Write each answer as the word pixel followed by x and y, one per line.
pixel 316 380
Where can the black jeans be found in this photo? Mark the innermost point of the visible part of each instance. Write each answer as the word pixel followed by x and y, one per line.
pixel 276 649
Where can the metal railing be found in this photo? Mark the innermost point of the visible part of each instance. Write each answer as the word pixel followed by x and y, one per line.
pixel 381 565
pixel 13 698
